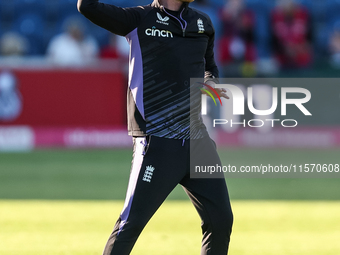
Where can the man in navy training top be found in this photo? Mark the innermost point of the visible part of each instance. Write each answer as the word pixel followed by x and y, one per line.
pixel 169 44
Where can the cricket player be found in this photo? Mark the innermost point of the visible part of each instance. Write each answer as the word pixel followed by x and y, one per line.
pixel 169 44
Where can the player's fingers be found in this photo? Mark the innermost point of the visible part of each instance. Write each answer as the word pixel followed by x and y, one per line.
pixel 220 91
pixel 224 95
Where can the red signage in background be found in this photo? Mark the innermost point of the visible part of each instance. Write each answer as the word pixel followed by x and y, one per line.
pixel 70 98
pixel 59 107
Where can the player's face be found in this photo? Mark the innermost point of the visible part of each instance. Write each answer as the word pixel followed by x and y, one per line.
pixel 187 1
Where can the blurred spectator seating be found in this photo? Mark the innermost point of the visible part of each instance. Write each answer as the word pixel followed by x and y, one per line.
pixel 117 48
pixel 13 44
pixel 73 46
pixel 292 37
pixel 334 46
pixel 237 43
pixel 8 12
pixel 31 26
pixel 110 51
pixel 261 11
pixel 43 20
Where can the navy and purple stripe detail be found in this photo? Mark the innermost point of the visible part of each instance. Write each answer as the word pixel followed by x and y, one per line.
pixel 136 71
pixel 140 143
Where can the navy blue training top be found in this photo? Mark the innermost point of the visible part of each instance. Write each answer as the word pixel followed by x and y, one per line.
pixel 167 48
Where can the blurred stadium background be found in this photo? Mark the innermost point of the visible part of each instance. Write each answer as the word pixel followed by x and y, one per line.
pixel 39 21
pixel 64 148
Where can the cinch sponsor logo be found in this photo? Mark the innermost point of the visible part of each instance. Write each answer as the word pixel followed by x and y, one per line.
pixel 158 33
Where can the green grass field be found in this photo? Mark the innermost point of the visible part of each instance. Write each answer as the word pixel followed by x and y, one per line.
pixel 67 201
pixel 82 227
pixel 103 174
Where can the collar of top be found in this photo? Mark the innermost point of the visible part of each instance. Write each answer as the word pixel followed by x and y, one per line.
pixel 157 4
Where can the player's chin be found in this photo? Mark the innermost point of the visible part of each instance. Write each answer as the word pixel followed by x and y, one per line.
pixel 187 1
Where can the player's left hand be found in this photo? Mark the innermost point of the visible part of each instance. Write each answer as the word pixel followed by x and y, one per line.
pixel 222 92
